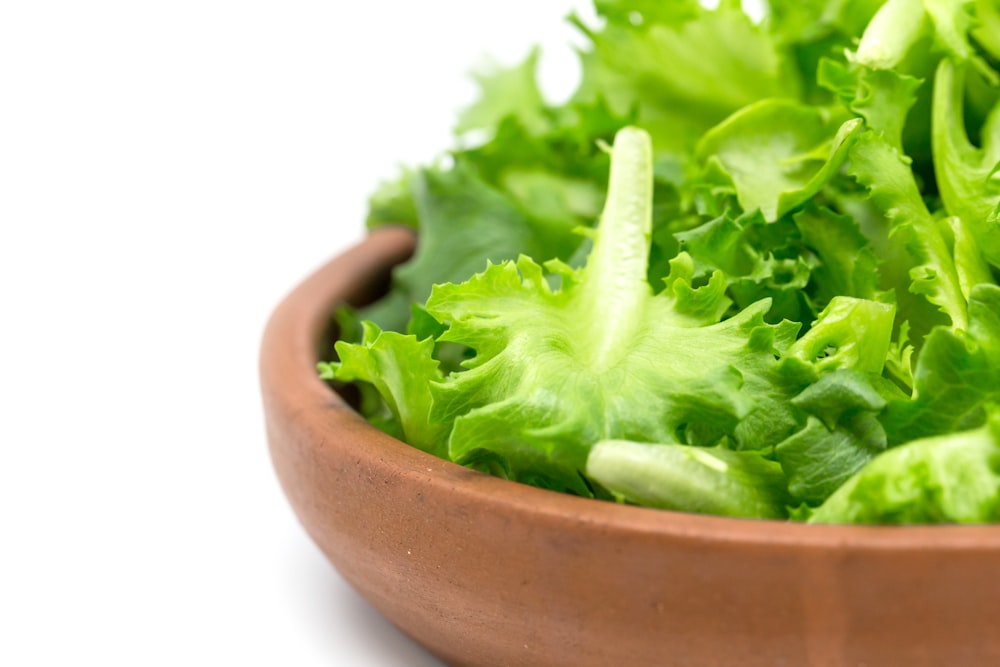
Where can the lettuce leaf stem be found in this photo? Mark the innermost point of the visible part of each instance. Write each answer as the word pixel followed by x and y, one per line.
pixel 614 289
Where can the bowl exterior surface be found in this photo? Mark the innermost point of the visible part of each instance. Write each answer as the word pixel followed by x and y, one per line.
pixel 488 573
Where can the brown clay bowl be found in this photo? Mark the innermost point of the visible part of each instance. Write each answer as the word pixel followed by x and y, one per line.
pixel 489 573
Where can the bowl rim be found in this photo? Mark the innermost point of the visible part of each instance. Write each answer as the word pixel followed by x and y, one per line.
pixel 290 383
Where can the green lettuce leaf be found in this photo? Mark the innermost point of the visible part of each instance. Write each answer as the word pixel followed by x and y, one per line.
pixel 759 260
pixel 661 67
pixel 968 176
pixel 884 171
pixel 638 13
pixel 849 333
pixel 709 480
pixel 957 374
pixel 902 26
pixel 987 30
pixel 845 350
pixel 401 368
pixel 952 478
pixel 848 265
pixel 883 98
pixel 790 306
pixel 841 434
pixel 777 153
pixel 392 203
pixel 463 223
pixel 659 368
pixel 800 262
pixel 816 21
pixel 507 93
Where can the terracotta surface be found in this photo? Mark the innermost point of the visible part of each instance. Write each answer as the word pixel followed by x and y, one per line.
pixel 489 573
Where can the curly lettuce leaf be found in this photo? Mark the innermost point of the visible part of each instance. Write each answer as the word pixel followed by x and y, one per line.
pixel 815 21
pixel 883 98
pixel 759 261
pixel 849 333
pixel 841 434
pixel 506 92
pixel 877 165
pixel 968 177
pixel 658 368
pixel 848 265
pixel 557 179
pixel 660 65
pixel 833 164
pixel 778 154
pixel 901 26
pixel 401 368
pixel 953 478
pixel 907 39
pixel 463 222
pixel 957 374
pixel 800 262
pixel 538 174
pixel 846 350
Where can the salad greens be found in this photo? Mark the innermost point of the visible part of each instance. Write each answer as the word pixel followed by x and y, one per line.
pixel 750 268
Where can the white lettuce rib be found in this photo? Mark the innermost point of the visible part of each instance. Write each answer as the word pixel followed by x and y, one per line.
pixel 614 287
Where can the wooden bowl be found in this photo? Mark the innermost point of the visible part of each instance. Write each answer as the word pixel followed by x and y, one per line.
pixel 486 573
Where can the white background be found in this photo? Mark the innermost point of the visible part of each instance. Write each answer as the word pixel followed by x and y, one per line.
pixel 168 170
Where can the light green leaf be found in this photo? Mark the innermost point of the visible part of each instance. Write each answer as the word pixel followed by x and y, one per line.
pixel 987 32
pixel 507 92
pixel 879 167
pixel 957 373
pixel 690 479
pixel 882 97
pixel 848 266
pixel 778 154
pixel 952 478
pixel 656 368
pixel 675 79
pixel 840 435
pixel 464 223
pixel 900 25
pixel 849 333
pixel 402 369
pixel 967 175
